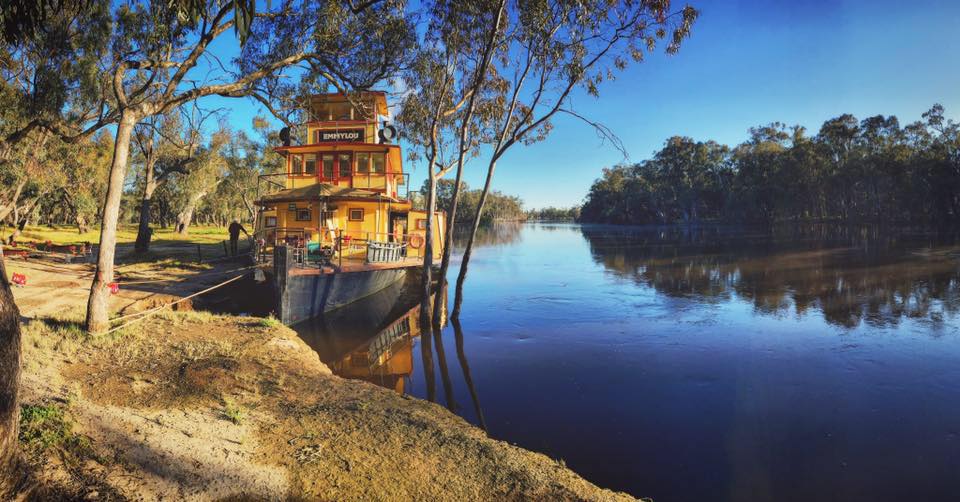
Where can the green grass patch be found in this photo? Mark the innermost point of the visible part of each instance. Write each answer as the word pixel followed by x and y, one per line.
pixel 234 412
pixel 47 427
pixel 268 322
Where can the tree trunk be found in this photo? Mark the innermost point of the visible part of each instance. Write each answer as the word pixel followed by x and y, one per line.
pixel 186 216
pixel 97 316
pixel 9 385
pixel 6 209
pixel 464 264
pixel 427 272
pixel 448 240
pixel 462 147
pixel 142 244
pixel 21 218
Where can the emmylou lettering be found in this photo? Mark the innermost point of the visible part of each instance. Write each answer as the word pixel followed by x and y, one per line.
pixel 348 135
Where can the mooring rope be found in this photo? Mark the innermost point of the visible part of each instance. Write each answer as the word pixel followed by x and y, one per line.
pixel 148 313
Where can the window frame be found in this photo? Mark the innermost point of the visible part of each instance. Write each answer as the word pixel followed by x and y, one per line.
pixel 338 170
pixel 307 210
pixel 373 155
pixel 350 213
pixel 333 166
pixel 294 157
pixel 421 223
pixel 366 168
pixel 267 222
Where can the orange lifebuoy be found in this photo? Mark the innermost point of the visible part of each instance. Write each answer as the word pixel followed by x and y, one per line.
pixel 416 240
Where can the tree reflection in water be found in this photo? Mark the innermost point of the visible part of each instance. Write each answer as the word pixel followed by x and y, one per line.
pixel 851 274
pixel 497 234
pixel 373 340
pixel 467 377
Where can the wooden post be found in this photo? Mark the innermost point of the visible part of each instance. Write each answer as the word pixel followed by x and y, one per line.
pixel 225 252
pixel 199 255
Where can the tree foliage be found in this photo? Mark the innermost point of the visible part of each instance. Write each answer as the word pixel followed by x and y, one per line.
pixel 500 207
pixel 868 170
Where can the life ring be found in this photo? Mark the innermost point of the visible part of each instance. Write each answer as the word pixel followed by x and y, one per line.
pixel 416 240
pixel 384 137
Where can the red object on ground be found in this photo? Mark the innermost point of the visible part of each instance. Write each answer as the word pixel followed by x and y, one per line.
pixel 114 288
pixel 18 279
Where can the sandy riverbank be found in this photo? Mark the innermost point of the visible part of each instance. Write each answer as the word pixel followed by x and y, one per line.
pixel 193 406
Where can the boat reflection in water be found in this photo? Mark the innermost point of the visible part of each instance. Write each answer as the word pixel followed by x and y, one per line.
pixel 373 340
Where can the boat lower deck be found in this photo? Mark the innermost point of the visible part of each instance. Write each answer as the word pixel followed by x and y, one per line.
pixel 349 266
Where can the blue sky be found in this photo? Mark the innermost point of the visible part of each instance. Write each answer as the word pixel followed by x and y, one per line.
pixel 747 63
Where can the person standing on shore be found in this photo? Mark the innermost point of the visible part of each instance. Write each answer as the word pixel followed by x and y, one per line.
pixel 235 228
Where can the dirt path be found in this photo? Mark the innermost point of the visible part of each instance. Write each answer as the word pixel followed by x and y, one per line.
pixel 57 289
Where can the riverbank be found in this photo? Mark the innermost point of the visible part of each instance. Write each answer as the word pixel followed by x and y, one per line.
pixel 190 405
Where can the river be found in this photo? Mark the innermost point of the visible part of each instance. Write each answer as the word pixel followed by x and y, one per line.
pixel 816 363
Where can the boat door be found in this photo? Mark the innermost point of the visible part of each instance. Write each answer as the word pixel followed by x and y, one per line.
pixel 398 226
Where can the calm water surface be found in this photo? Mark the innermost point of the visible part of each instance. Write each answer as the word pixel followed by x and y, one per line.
pixel 815 364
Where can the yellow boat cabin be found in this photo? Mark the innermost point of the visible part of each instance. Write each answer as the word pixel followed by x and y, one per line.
pixel 343 201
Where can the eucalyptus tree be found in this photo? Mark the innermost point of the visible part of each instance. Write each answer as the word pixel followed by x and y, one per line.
pixel 208 170
pixel 49 84
pixel 167 145
pixel 551 48
pixel 445 79
pixel 161 60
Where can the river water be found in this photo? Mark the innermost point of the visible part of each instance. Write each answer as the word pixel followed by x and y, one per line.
pixel 814 363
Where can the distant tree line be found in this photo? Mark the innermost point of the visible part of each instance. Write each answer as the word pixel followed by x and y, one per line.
pixel 497 208
pixel 872 170
pixel 554 214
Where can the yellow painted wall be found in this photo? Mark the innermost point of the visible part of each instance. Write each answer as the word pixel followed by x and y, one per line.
pixel 373 227
pixel 439 227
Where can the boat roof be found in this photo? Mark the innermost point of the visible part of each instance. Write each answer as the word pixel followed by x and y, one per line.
pixel 325 190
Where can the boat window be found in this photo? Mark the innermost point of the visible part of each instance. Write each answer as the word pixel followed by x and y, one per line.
pixel 322 112
pixel 310 163
pixel 363 162
pixel 422 224
pixel 270 221
pixel 296 163
pixel 356 214
pixel 346 167
pixel 327 167
pixel 379 162
pixel 303 214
